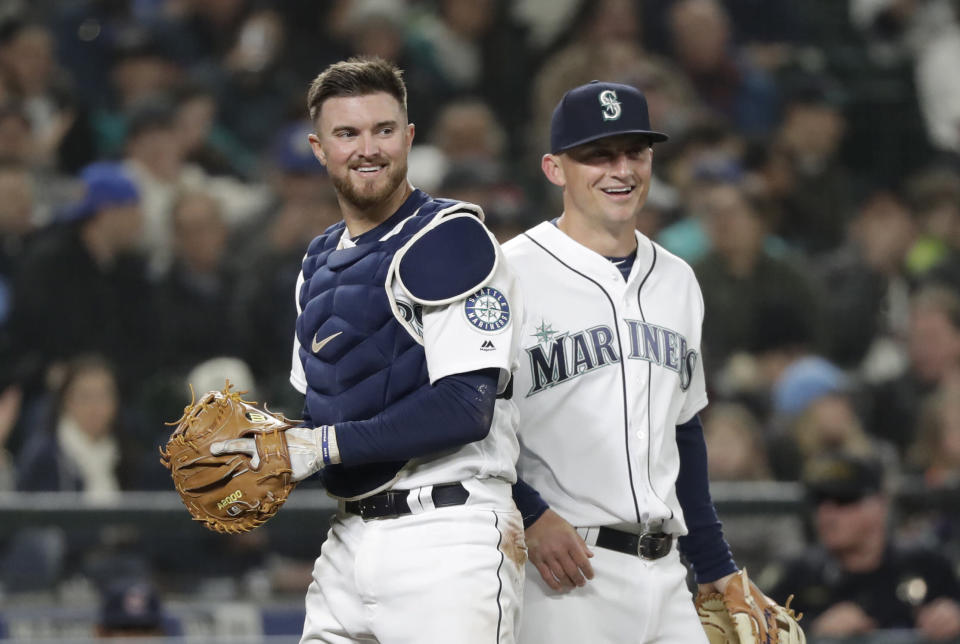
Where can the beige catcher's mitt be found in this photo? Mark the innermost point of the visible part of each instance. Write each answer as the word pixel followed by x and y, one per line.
pixel 744 615
pixel 229 491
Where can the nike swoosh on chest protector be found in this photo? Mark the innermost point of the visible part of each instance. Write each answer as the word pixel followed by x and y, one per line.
pixel 316 346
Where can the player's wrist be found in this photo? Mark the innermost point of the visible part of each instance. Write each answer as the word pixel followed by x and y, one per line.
pixel 311 449
pixel 329 450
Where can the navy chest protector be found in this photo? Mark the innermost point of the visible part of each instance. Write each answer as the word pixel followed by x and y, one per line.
pixel 360 347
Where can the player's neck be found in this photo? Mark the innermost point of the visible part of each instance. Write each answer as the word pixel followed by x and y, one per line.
pixel 360 220
pixel 614 239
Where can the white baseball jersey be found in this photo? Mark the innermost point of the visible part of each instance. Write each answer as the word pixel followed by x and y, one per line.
pixel 478 331
pixel 608 369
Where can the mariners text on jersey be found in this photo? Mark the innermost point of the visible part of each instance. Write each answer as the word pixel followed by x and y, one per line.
pixel 558 357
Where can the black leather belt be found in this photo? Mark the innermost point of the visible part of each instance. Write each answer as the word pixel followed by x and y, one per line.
pixel 393 503
pixel 649 545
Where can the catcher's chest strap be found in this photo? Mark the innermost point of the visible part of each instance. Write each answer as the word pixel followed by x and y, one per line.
pixel 393 503
pixel 648 545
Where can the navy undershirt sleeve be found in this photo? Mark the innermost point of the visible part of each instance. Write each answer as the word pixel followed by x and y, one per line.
pixel 529 502
pixel 455 411
pixel 704 546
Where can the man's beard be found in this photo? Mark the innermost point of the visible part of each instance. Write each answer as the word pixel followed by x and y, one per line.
pixel 370 196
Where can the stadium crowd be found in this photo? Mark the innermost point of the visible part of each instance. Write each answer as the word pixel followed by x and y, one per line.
pixel 157 193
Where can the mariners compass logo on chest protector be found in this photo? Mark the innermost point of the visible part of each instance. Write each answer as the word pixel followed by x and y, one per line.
pixel 611 106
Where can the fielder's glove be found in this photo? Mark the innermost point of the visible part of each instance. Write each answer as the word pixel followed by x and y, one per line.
pixel 744 615
pixel 234 464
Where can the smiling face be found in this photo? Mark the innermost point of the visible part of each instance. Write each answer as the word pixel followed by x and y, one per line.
pixel 363 141
pixel 604 182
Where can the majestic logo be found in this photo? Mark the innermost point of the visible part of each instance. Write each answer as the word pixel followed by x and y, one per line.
pixel 487 309
pixel 316 346
pixel 559 357
pixel 611 106
pixel 488 345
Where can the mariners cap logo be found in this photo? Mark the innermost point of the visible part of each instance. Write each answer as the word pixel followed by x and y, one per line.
pixel 488 310
pixel 611 106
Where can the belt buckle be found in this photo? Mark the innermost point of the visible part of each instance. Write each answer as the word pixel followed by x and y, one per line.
pixel 650 545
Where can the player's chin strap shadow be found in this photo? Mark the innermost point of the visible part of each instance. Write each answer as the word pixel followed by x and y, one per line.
pixel 246 446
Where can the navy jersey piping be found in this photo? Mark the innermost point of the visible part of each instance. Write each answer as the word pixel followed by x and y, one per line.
pixel 623 371
pixel 649 379
pixel 496 525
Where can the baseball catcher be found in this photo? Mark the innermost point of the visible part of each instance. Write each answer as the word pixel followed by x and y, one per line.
pixel 234 464
pixel 744 615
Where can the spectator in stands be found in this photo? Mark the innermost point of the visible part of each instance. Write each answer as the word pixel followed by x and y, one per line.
pixel 142 70
pixel 82 446
pixel 858 579
pixel 195 296
pixel 157 159
pixel 18 147
pixel 935 454
pixel 865 289
pixel 934 194
pixel 253 77
pixel 926 34
pixel 708 152
pixel 735 444
pixel 739 275
pixel 207 143
pixel 726 81
pixel 130 609
pixel 478 49
pixel 16 228
pixel 63 138
pixel 933 345
pixel 815 411
pixel 817 209
pixel 81 288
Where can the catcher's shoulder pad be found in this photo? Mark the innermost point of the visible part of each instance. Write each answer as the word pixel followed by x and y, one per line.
pixel 449 259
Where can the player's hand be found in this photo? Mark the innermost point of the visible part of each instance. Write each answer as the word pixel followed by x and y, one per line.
pixel 843 620
pixel 939 620
pixel 303 445
pixel 716 586
pixel 558 552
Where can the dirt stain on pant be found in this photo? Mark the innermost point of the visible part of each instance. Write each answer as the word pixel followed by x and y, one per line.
pixel 514 546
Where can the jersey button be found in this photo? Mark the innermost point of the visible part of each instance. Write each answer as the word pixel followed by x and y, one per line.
pixel 640 434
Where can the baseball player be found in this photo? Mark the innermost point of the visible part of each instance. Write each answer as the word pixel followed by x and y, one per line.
pixel 612 456
pixel 405 340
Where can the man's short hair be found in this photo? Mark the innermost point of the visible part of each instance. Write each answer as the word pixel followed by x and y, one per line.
pixel 356 77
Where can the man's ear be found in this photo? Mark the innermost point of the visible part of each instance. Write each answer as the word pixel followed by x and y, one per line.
pixel 550 164
pixel 317 149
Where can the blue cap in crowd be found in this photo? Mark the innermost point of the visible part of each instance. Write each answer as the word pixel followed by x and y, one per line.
pixel 105 184
pixel 292 152
pixel 805 381
pixel 598 110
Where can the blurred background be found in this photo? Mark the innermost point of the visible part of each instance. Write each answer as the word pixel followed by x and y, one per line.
pixel 157 193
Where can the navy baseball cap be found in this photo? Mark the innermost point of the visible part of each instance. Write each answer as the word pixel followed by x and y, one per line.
pixel 292 152
pixel 598 110
pixel 105 184
pixel 131 605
